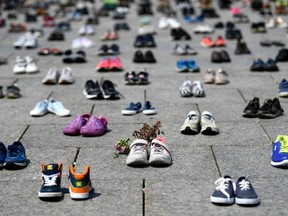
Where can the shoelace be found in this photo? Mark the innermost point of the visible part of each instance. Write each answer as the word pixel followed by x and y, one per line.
pixel 192 117
pixel 50 180
pixel 138 148
pixel 244 185
pixel 222 185
pixel 209 118
pixel 283 147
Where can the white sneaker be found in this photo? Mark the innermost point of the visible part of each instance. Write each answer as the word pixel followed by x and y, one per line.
pixel 208 125
pixel 82 30
pixel 191 124
pixel 280 23
pixel 197 89
pixel 203 28
pixel 77 43
pixel 31 41
pixel 173 23
pixel 271 23
pixel 57 108
pixel 186 89
pixel 159 154
pixel 40 108
pixel 31 66
pixel 87 42
pixel 66 76
pixel 20 65
pixel 20 42
pixel 138 153
pixel 89 30
pixel 163 24
pixel 51 77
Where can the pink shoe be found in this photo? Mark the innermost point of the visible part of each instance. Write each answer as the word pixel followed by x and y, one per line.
pixel 235 10
pixel 115 64
pixel 96 126
pixel 73 129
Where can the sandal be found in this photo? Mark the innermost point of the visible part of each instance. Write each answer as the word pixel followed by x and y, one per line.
pixel 44 51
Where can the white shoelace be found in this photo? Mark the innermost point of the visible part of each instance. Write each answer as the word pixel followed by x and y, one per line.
pixel 50 180
pixel 244 185
pixel 222 185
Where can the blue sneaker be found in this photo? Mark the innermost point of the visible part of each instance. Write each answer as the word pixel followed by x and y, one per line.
pixel 257 66
pixel 271 65
pixel 245 193
pixel 132 109
pixel 3 153
pixel 148 109
pixel 16 156
pixel 224 192
pixel 280 151
pixel 283 88
pixel 181 66
pixel 192 66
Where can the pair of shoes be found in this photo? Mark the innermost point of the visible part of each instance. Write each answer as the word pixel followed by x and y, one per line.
pixel 258 27
pixel 227 192
pixel 187 18
pixel 110 35
pixel 70 57
pixel 17 27
pixel 144 40
pixel 187 50
pixel 280 9
pixel 187 66
pixel 274 22
pixel 83 42
pixel 109 64
pixel 220 56
pixel 80 183
pixel 208 42
pixel 279 156
pixel 269 109
pixel 189 89
pixel 220 77
pixel 12 92
pixel 86 125
pixel 140 57
pixel 53 76
pixel 56 35
pixel 92 90
pixel 131 78
pixel 135 108
pixel 259 66
pixel 158 155
pixel 113 49
pixel 203 29
pixel 63 26
pixel 165 22
pixel 269 43
pixel 48 51
pixel 48 21
pixel 86 30
pixel 194 122
pixel 283 88
pixel 240 18
pixel 121 26
pixel 25 64
pixel 179 33
pixel 241 48
pixel 53 106
pixel 13 157
pixel 233 33
pixel 282 55
pixel 144 9
pixel 28 41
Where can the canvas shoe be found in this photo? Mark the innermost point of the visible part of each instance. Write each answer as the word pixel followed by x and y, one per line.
pixel 279 156
pixel 31 66
pixel 92 90
pixel 209 76
pixel 221 77
pixel 66 76
pixel 132 109
pixel 57 108
pixel 148 109
pixel 51 181
pixel 245 193
pixel 73 128
pixel 95 126
pixel 51 77
pixel 40 108
pixel 224 192
pixel 16 157
pixel 198 89
pixel 3 153
pixel 160 153
pixel 270 109
pixel 208 125
pixel 186 89
pixel 252 108
pixel 283 88
pixel 20 66
pixel 138 154
pixel 80 183
pixel 191 124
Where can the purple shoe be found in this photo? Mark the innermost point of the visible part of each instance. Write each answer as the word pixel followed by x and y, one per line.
pixel 96 126
pixel 73 129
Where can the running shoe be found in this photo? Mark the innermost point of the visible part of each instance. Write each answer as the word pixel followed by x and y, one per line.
pixel 279 155
pixel 160 154
pixel 191 124
pixel 138 155
pixel 92 90
pixel 40 108
pixel 186 89
pixel 16 157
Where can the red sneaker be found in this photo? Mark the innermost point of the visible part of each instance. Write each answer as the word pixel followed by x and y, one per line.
pixel 207 42
pixel 104 64
pixel 220 41
pixel 115 64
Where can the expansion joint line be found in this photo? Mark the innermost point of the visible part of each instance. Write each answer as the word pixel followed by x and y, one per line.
pixel 216 162
pixel 27 127
pixel 143 197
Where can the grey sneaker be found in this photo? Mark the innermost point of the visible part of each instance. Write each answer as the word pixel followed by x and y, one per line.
pixel 179 50
pixel 197 89
pixel 66 76
pixel 186 89
pixel 192 123
pixel 221 77
pixel 209 76
pixel 208 125
pixel 51 77
pixel 138 153
pixel 13 91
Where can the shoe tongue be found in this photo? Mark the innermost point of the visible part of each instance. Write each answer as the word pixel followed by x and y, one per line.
pixel 269 101
pixel 51 169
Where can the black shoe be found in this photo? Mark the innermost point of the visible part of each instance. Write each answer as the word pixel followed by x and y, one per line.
pixel 270 109
pixel 149 57
pixel 113 50
pixel 257 66
pixel 92 90
pixel 241 48
pixel 139 57
pixel 109 91
pixel 183 34
pixel 175 34
pixel 282 55
pixel 271 65
pixel 219 25
pixel 225 56
pixel 245 49
pixel 13 92
pixel 143 78
pixel 131 78
pixel 68 57
pixel 139 41
pixel 251 110
pixel 149 40
pixel 80 57
pixel 245 193
pixel 103 50
pixel 216 57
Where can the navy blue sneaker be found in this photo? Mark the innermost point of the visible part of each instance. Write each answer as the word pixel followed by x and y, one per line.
pixel 149 40
pixel 132 109
pixel 51 181
pixel 271 65
pixel 16 156
pixel 139 41
pixel 245 193
pixel 283 88
pixel 148 109
pixel 257 66
pixel 280 151
pixel 224 192
pixel 3 153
